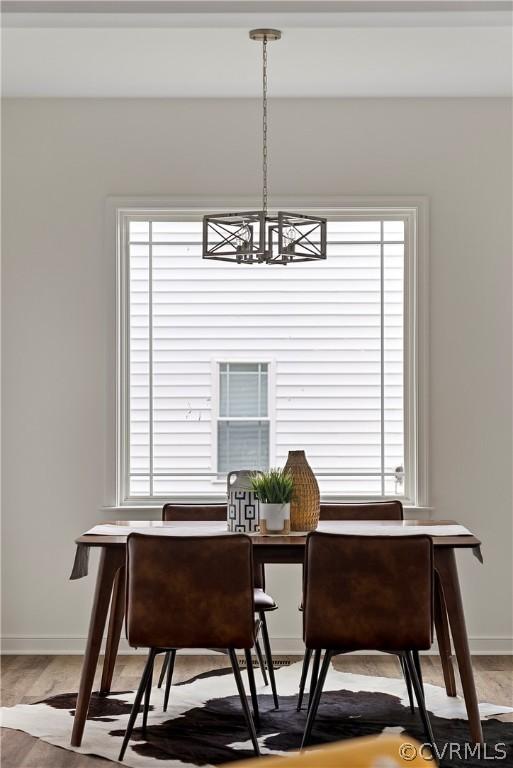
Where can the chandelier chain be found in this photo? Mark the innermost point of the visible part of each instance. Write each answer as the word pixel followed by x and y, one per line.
pixel 264 125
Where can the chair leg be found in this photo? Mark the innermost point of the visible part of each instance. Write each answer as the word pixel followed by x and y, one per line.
pixel 315 699
pixel 147 696
pixel 261 662
pixel 243 700
pixel 137 701
pixel 416 661
pixel 315 675
pixel 419 694
pixel 407 680
pixel 269 658
pixel 170 670
pixel 304 675
pixel 163 670
pixel 252 687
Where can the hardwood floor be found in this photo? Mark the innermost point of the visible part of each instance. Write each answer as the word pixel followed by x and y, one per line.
pixel 27 679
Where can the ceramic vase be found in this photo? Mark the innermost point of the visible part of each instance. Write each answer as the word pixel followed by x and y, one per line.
pixel 242 508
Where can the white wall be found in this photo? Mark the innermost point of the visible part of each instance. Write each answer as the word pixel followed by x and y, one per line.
pixel 62 158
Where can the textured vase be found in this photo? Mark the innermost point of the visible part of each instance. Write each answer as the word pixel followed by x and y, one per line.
pixel 305 504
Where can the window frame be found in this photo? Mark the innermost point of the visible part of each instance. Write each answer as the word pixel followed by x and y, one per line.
pixel 414 210
pixel 216 417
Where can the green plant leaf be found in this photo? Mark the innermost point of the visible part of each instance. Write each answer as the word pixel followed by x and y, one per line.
pixel 274 486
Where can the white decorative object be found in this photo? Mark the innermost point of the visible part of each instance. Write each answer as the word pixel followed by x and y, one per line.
pixel 275 518
pixel 242 513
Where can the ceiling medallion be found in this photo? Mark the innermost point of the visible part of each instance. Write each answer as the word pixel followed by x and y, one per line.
pixel 257 237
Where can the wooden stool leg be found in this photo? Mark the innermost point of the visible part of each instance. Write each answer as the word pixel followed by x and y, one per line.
pixel 445 564
pixel 444 639
pixel 117 614
pixel 111 560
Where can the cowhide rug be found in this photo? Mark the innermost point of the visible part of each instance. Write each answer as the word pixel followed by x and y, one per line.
pixel 204 723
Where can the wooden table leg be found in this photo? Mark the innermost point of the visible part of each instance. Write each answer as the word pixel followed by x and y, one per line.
pixel 444 638
pixel 117 614
pixel 445 564
pixel 111 559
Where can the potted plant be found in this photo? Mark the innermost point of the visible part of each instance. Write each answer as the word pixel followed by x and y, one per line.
pixel 273 490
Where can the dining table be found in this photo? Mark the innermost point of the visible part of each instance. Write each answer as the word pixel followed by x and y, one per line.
pixel 108 605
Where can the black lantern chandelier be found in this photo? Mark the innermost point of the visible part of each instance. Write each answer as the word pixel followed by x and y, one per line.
pixel 257 237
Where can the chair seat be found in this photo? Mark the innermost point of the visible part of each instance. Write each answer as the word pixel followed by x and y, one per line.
pixel 263 601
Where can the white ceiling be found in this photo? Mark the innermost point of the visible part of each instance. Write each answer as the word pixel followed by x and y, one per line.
pixel 132 49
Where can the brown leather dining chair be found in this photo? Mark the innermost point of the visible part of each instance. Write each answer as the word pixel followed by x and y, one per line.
pixel 368 593
pixel 263 601
pixel 378 510
pixel 178 596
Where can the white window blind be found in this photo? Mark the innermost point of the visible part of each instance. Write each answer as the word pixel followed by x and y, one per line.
pixel 199 339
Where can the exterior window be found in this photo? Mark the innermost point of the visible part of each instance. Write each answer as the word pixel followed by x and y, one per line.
pixel 225 367
pixel 243 422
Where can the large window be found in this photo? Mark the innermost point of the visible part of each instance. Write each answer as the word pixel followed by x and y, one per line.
pixel 227 367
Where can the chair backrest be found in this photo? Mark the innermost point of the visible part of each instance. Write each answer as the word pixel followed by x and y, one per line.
pixel 368 592
pixel 189 591
pixel 208 512
pixel 376 510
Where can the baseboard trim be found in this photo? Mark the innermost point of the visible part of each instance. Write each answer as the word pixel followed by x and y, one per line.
pixel 292 646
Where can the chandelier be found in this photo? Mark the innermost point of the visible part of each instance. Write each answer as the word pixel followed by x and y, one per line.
pixel 257 237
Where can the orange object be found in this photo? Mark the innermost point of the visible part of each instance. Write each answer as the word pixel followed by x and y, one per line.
pixel 369 752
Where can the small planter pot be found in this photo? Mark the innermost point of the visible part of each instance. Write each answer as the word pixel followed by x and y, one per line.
pixel 274 518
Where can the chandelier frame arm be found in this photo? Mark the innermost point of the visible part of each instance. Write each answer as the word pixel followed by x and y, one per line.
pixel 228 237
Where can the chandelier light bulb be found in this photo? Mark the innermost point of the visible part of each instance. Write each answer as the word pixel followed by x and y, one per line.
pixel 244 238
pixel 289 238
